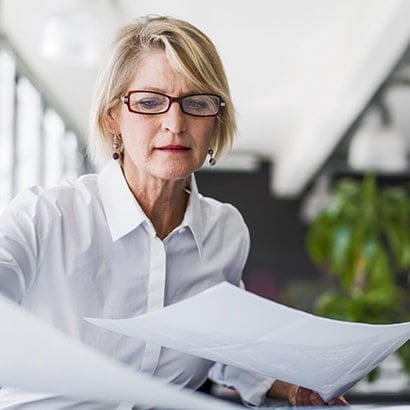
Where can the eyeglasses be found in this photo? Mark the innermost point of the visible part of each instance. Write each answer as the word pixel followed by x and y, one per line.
pixel 152 103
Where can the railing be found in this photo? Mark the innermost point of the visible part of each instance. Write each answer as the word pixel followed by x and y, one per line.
pixel 36 146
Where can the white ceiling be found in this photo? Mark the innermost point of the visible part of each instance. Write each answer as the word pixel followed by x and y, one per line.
pixel 300 70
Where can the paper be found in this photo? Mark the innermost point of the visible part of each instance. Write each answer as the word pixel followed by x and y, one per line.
pixel 232 326
pixel 38 357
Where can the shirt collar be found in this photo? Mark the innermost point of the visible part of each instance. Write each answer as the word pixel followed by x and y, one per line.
pixel 114 190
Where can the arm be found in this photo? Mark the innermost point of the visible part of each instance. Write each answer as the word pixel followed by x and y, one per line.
pixel 300 396
pixel 20 237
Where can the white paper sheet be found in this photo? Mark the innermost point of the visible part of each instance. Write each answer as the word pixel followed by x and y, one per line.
pixel 38 357
pixel 232 326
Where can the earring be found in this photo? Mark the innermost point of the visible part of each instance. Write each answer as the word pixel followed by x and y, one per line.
pixel 115 148
pixel 212 160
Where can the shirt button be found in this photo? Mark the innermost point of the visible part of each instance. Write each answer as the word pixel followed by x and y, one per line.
pixel 182 230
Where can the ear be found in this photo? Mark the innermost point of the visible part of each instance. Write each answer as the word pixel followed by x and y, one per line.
pixel 111 121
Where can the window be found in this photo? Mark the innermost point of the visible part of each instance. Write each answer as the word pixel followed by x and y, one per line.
pixel 36 148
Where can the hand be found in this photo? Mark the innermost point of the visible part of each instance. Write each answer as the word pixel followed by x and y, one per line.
pixel 300 396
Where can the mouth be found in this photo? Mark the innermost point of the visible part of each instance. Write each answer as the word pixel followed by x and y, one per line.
pixel 174 148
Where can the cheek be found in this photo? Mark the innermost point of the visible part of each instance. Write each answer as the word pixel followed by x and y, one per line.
pixel 134 144
pixel 206 134
pixel 136 131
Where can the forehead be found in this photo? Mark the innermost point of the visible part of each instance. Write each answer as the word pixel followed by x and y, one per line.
pixel 154 72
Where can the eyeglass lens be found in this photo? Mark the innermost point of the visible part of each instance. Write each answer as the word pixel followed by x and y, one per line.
pixel 201 105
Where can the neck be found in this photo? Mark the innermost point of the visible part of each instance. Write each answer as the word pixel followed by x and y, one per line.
pixel 164 202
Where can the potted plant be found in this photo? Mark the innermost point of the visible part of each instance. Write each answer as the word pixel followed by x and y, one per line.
pixel 362 240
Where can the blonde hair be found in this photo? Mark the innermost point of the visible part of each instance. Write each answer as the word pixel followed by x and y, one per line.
pixel 189 51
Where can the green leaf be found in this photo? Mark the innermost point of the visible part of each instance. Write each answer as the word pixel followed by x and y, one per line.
pixel 363 240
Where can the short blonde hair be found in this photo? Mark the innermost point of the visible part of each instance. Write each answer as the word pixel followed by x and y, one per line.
pixel 190 52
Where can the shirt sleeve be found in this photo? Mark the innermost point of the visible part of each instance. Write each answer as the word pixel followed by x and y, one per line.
pixel 19 243
pixel 252 387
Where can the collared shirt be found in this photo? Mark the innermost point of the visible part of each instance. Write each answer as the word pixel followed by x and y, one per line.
pixel 87 249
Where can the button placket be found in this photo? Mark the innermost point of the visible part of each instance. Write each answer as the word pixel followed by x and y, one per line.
pixel 156 295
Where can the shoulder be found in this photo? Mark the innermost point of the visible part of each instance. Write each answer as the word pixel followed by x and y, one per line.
pixel 68 195
pixel 223 215
pixel 215 207
pixel 225 238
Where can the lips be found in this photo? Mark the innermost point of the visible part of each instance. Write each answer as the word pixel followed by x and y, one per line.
pixel 174 148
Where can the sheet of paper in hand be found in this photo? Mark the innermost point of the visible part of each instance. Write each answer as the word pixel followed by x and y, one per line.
pixel 36 357
pixel 235 327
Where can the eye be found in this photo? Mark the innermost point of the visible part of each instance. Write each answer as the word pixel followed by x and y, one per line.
pixel 201 104
pixel 196 103
pixel 146 102
pixel 152 102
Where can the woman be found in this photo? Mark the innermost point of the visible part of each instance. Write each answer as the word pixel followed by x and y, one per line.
pixel 138 235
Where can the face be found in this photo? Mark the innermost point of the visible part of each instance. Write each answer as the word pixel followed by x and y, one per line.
pixel 167 146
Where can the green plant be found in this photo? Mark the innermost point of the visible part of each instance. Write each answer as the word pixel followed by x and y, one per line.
pixel 362 239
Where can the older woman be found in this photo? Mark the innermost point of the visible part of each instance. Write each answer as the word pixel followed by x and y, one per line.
pixel 137 236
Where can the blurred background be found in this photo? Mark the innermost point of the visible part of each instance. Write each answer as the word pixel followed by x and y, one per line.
pixel 321 90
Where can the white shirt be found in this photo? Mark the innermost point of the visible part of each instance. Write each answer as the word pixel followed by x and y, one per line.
pixel 86 248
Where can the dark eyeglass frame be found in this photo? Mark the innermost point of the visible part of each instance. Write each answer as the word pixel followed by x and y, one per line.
pixel 126 100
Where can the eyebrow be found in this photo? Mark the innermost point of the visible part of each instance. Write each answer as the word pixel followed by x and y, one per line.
pixel 162 91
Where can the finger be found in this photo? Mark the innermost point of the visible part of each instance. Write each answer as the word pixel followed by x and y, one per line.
pixel 307 397
pixel 301 397
pixel 302 400
pixel 338 401
pixel 315 399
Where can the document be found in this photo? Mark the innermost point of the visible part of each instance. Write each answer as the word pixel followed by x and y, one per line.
pixel 229 325
pixel 36 356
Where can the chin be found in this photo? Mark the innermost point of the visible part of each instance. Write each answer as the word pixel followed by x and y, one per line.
pixel 175 174
pixel 178 170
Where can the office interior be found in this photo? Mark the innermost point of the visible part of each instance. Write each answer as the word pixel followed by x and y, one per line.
pixel 321 89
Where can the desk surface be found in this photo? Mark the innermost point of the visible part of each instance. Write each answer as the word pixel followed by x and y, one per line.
pixel 351 407
pixel 379 398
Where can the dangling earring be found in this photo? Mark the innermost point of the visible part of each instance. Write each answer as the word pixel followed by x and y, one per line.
pixel 115 148
pixel 212 160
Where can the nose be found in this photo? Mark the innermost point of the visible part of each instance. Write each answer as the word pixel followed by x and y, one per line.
pixel 174 119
